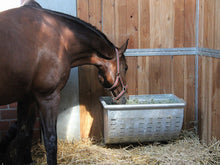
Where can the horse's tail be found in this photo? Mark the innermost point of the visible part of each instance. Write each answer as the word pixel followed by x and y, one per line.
pixel 9 137
pixel 4 144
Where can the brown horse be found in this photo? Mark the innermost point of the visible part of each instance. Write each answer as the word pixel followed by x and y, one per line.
pixel 38 48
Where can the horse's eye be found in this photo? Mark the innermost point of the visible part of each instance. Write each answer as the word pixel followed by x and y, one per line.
pixel 126 68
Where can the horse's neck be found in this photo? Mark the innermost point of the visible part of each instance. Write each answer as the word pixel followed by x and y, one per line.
pixel 85 45
pixel 86 58
pixel 89 53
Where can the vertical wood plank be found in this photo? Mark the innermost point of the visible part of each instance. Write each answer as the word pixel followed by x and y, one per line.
pixel 204 105
pixel 179 21
pixel 120 21
pixel 95 13
pixel 189 63
pixel 190 17
pixel 178 76
pixel 206 99
pixel 143 75
pixel 200 66
pixel 178 61
pixel 217 25
pixel 154 74
pixel 209 78
pixel 215 99
pixel 155 42
pixel 165 74
pixel 144 23
pixel 132 30
pixel 166 23
pixel 201 23
pixel 131 75
pixel 207 62
pixel 82 9
pixel 208 40
pixel 189 90
pixel 209 93
pixel 132 23
pixel 167 41
pixel 108 19
pixel 144 42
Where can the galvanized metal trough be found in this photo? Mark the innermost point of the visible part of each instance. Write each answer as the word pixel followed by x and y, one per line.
pixel 146 118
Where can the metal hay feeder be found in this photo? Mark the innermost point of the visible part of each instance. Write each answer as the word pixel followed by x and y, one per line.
pixel 154 118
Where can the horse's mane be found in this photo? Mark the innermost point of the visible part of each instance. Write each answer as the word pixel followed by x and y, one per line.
pixel 86 24
pixel 34 4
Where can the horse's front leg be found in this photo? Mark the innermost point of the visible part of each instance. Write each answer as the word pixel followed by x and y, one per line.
pixel 48 108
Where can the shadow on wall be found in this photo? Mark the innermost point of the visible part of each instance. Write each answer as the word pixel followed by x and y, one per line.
pixel 91 113
pixel 68 122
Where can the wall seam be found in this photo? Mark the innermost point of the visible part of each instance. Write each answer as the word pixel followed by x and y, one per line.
pixel 196 125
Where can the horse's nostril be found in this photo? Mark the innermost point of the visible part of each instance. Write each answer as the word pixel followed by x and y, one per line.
pixel 122 100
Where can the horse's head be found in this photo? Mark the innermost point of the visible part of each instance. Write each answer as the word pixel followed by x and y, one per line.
pixel 112 75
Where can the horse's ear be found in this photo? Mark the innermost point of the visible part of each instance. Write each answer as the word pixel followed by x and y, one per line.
pixel 123 48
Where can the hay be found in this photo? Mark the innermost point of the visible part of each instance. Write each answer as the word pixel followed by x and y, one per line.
pixel 185 150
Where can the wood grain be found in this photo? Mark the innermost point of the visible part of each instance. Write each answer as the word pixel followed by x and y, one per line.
pixel 190 20
pixel 144 42
pixel 209 94
pixel 215 99
pixel 209 76
pixel 108 19
pixel 217 25
pixel 179 21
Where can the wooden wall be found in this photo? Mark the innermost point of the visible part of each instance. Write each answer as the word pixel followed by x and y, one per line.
pixel 147 24
pixel 209 71
pixel 209 94
pixel 209 24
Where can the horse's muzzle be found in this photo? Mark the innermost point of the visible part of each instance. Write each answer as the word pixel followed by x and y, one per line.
pixel 119 95
pixel 121 100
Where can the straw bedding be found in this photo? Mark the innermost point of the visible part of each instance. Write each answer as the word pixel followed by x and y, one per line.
pixel 186 149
